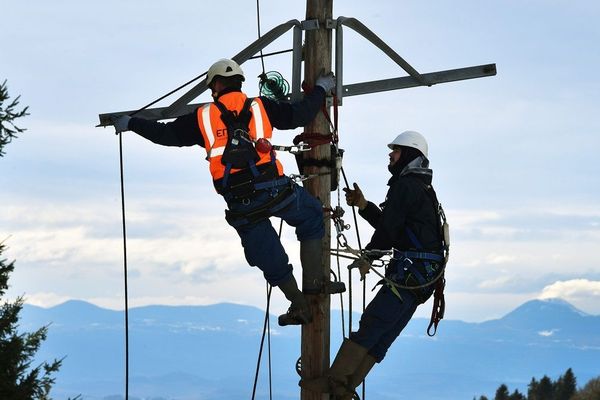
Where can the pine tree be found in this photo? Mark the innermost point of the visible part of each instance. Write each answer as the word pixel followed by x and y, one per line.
pixel 545 389
pixel 565 386
pixel 19 380
pixel 8 114
pixel 532 390
pixel 502 393
pixel 516 395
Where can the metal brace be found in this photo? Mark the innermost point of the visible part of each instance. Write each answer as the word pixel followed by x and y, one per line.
pixel 310 24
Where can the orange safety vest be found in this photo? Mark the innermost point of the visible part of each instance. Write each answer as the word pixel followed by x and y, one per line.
pixel 214 130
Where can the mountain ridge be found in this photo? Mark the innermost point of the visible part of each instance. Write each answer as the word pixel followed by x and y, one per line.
pixel 210 352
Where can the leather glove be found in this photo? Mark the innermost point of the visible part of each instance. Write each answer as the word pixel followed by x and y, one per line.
pixel 355 197
pixel 326 81
pixel 121 123
pixel 363 264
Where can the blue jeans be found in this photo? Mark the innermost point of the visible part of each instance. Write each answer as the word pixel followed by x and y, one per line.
pixel 260 241
pixel 383 320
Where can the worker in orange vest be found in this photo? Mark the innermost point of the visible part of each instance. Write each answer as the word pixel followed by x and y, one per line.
pixel 235 131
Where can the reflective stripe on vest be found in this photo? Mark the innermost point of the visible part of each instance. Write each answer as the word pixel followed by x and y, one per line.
pixel 214 131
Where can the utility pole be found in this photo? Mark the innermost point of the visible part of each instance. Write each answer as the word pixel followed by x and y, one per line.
pixel 315 336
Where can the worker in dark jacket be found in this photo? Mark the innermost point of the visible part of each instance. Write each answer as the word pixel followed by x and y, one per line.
pixel 235 131
pixel 408 222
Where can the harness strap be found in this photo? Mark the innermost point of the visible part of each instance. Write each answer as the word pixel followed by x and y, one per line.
pixel 420 255
pixel 439 301
pixel 271 184
pixel 229 118
pixel 279 202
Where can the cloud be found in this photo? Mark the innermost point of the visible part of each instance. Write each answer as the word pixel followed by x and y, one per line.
pixel 497 283
pixel 572 290
pixel 45 299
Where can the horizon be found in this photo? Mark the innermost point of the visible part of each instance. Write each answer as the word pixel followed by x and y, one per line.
pixel 549 300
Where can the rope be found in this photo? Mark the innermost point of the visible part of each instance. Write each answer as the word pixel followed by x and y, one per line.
pixel 126 294
pixel 262 60
pixel 266 328
pixel 334 138
pixel 124 267
pixel 168 94
pixel 266 324
pixel 340 275
pixel 364 285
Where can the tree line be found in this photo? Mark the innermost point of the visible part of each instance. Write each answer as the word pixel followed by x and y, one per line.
pixel 564 388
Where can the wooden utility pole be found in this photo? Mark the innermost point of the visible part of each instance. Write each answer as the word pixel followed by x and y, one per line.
pixel 315 336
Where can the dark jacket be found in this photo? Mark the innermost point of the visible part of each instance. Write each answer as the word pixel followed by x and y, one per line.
pixel 185 131
pixel 407 204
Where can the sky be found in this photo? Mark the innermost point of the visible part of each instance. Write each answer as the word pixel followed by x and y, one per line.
pixel 514 155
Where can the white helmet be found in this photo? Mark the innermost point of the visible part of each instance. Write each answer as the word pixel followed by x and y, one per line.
pixel 223 67
pixel 410 139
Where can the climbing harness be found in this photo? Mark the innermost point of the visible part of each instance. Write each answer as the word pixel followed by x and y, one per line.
pixel 239 151
pixel 403 267
pixel 282 197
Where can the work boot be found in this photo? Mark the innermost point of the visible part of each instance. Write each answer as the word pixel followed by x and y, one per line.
pixel 358 376
pixel 313 280
pixel 311 258
pixel 339 379
pixel 299 311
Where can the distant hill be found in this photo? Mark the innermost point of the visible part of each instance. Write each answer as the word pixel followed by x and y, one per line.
pixel 210 352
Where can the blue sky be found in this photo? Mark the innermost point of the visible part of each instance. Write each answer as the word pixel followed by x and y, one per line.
pixel 514 156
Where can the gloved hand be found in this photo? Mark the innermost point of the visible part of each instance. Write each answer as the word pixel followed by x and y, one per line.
pixel 355 197
pixel 326 81
pixel 121 123
pixel 363 264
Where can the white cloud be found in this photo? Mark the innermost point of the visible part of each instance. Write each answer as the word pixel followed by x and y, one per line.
pixel 499 282
pixel 572 290
pixel 495 259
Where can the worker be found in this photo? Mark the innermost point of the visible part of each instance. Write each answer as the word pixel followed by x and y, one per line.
pixel 235 131
pixel 408 221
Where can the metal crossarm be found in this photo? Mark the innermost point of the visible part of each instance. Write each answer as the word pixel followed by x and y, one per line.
pixel 432 78
pixel 414 79
pixel 153 114
pixel 181 107
pixel 243 56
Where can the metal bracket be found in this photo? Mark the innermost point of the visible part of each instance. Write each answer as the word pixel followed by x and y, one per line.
pixel 310 24
pixel 181 106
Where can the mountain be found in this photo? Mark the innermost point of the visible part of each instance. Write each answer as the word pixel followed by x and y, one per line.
pixel 210 352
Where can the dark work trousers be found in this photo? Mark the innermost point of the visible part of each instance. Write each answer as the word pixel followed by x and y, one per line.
pixel 383 320
pixel 260 240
